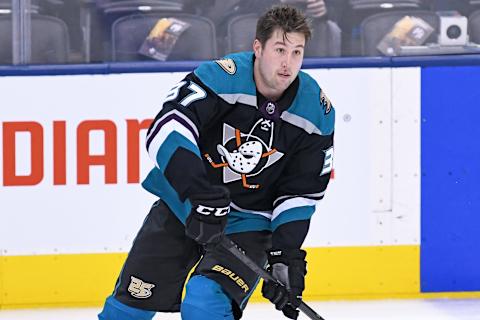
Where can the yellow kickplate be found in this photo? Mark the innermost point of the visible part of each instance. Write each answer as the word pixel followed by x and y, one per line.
pixel 86 279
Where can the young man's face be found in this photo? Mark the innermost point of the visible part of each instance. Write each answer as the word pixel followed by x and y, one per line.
pixel 278 62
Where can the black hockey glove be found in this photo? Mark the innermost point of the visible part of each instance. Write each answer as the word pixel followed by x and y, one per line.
pixel 289 267
pixel 208 218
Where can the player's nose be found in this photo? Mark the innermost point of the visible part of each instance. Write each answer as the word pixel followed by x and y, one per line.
pixel 286 61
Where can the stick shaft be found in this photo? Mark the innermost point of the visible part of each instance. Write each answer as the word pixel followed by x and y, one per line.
pixel 262 273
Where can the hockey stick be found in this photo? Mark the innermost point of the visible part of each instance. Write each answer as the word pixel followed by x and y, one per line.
pixel 233 248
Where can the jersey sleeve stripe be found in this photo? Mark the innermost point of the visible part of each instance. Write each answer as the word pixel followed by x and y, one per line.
pixel 313 196
pixel 293 203
pixel 242 222
pixel 166 118
pixel 266 214
pixel 292 214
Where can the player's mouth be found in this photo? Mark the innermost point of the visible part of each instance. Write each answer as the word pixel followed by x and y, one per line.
pixel 284 75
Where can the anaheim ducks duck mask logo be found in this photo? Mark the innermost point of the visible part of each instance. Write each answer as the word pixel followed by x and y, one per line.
pixel 228 65
pixel 245 155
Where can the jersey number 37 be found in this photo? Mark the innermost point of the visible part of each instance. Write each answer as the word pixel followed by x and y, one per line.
pixel 197 93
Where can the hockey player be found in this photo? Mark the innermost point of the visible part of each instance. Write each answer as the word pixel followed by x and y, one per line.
pixel 242 146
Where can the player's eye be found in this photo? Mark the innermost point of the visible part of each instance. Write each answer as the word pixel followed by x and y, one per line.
pixel 280 50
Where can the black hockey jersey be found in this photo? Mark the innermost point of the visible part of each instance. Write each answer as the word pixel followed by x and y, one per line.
pixel 214 128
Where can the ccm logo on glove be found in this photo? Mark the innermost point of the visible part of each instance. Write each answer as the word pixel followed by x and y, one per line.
pixel 217 212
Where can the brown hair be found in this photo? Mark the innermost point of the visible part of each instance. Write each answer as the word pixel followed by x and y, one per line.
pixel 286 18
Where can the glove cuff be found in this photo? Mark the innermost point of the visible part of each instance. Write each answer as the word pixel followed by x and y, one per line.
pixel 285 255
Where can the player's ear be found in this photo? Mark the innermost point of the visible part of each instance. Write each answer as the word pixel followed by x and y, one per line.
pixel 257 48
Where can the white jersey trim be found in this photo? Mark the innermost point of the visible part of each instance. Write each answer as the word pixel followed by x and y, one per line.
pixel 266 214
pixel 300 122
pixel 233 98
pixel 292 203
pixel 312 195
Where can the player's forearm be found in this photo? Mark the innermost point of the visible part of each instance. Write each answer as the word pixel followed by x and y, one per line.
pixel 186 174
pixel 290 235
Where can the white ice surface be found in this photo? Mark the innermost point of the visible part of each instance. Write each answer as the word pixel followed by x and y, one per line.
pixel 429 309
